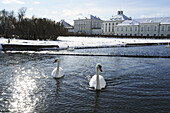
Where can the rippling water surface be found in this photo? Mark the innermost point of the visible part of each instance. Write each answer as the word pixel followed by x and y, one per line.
pixel 133 84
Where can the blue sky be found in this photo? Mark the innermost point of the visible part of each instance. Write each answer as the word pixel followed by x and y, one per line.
pixel 70 10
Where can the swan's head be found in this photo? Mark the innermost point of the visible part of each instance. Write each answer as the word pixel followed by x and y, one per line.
pixel 56 60
pixel 99 66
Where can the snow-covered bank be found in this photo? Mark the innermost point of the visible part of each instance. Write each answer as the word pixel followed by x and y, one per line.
pixel 84 42
pixel 94 42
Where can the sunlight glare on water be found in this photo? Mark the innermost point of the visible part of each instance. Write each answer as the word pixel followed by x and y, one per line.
pixel 22 88
pixel 21 95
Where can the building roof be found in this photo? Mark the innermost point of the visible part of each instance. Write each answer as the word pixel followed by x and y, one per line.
pixel 129 22
pixel 94 17
pixel 89 17
pixel 65 24
pixel 161 20
pixel 119 16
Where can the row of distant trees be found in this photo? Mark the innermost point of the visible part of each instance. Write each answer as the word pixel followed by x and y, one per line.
pixel 18 26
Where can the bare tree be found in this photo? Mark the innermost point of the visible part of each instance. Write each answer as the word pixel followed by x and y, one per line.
pixel 21 13
pixel 26 28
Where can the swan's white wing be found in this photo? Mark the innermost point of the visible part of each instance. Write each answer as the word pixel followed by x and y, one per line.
pixel 102 82
pixel 54 73
pixel 61 73
pixel 92 82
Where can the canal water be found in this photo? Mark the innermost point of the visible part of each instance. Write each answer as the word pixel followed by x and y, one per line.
pixel 133 84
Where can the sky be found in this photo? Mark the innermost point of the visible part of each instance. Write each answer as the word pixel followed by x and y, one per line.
pixel 70 10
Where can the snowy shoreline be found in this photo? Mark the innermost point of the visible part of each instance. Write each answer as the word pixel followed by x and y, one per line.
pixel 83 42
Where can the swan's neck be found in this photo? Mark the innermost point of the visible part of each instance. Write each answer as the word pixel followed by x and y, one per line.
pixel 58 68
pixel 97 79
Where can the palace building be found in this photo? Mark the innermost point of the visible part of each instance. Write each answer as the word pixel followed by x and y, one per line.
pixel 122 25
pixel 144 27
pixel 90 26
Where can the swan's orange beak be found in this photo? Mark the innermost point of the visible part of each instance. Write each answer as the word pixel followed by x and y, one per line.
pixel 100 69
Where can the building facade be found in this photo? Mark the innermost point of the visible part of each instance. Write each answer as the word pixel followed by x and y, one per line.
pixel 144 27
pixel 90 26
pixel 108 27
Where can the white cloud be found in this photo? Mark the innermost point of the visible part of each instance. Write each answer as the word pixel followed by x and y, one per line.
pixel 72 14
pixel 36 3
pixel 89 4
pixel 12 1
pixel 54 12
pixel 80 12
pixel 30 9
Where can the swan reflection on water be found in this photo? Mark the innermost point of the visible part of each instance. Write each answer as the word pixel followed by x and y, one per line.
pixel 96 105
pixel 58 89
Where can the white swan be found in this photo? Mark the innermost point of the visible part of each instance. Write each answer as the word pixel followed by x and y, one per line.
pixel 97 81
pixel 58 71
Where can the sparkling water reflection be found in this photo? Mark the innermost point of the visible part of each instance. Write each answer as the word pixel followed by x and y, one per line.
pixel 22 98
pixel 133 84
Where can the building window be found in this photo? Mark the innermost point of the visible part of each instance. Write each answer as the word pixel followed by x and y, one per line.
pixel 130 28
pixel 162 28
pixel 122 29
pixel 148 28
pixel 106 27
pixel 126 28
pixel 116 23
pixel 112 28
pixel 141 34
pixel 141 28
pixel 155 28
pixel 109 27
pixel 154 34
pixel 162 34
pixel 135 28
pixel 118 29
pixel 113 24
pixel 147 34
pixel 168 28
pixel 98 25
